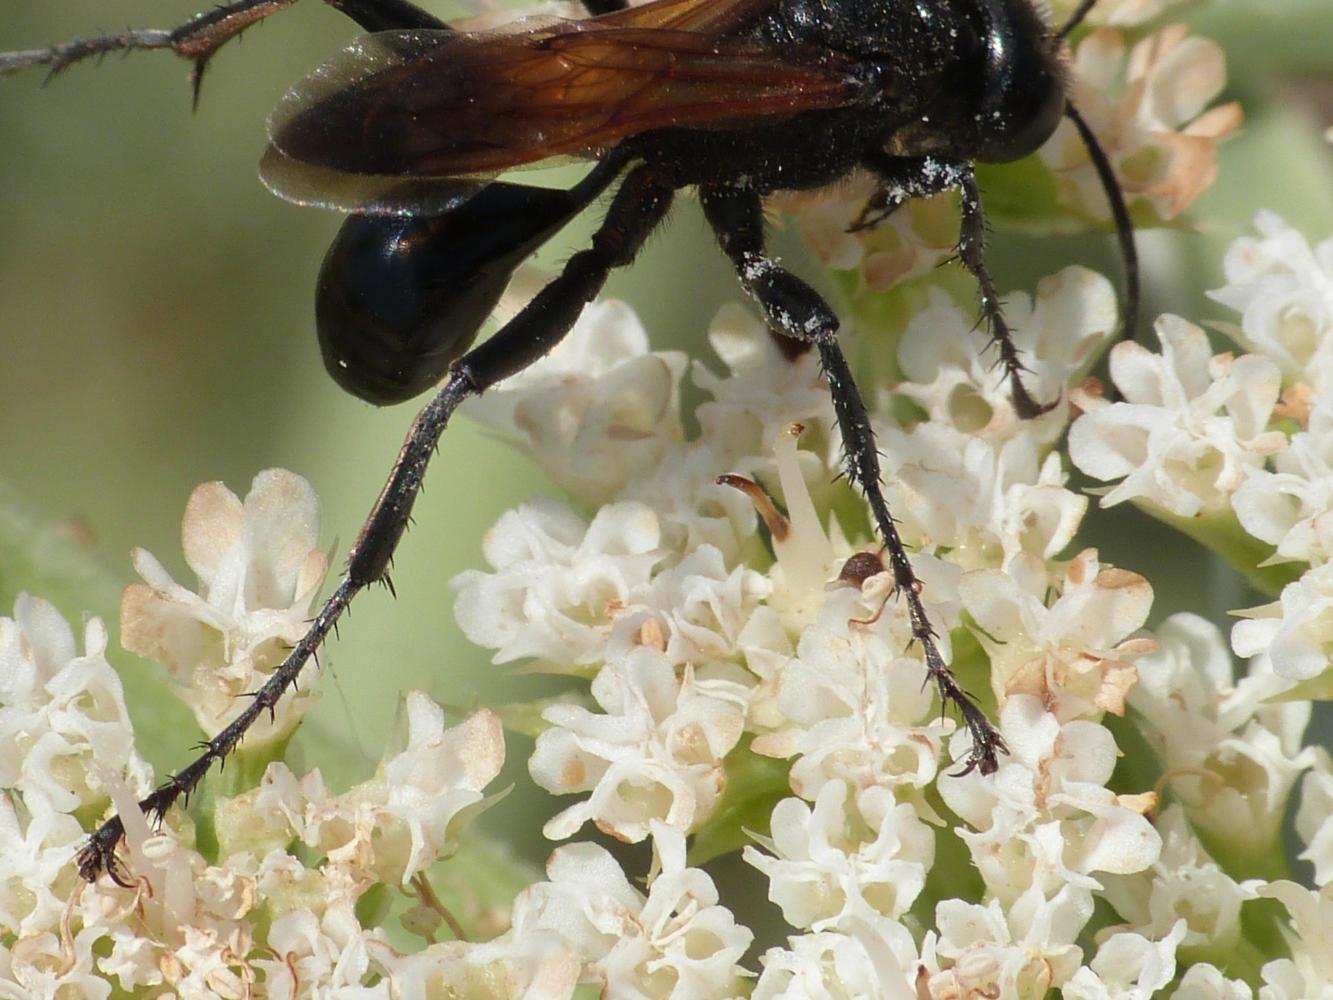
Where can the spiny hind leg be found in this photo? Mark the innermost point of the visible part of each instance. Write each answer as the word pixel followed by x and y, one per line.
pixel 638 206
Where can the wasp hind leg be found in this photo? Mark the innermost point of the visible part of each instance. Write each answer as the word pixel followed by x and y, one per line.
pixel 799 312
pixel 637 208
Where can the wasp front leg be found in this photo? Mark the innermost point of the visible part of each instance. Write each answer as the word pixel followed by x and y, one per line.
pixel 199 39
pixel 903 179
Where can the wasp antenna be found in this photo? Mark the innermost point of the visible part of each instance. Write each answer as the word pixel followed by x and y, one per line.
pixel 1076 18
pixel 1124 228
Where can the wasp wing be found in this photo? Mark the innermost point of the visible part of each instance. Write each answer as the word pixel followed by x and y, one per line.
pixel 398 108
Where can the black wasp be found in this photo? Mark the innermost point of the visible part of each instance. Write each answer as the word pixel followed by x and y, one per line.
pixel 737 98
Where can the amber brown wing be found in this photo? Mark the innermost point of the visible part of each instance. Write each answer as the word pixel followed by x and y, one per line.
pixel 406 106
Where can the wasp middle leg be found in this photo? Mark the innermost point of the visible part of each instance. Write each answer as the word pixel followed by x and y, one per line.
pixel 797 311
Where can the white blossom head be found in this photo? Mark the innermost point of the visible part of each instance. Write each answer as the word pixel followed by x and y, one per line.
pixel 259 569
pixel 654 754
pixel 949 365
pixel 598 411
pixel 64 726
pixel 675 942
pixel 1283 290
pixel 1149 108
pixel 1190 429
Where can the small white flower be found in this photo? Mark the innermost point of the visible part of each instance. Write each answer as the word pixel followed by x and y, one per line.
pixel 763 393
pixel 558 583
pixel 1295 630
pixel 1025 951
pixel 210 963
pixel 693 509
pixel 1147 109
pixel 1128 966
pixel 265 818
pixel 1283 291
pixel 599 410
pixel 521 964
pixel 326 954
pixel 1312 824
pixel 284 883
pixel 1183 884
pixel 1232 755
pixel 402 820
pixel 1068 642
pixel 35 877
pixel 829 867
pixel 979 503
pixel 655 753
pixel 1202 981
pixel 47 966
pixel 63 720
pixel 1308 973
pixel 676 943
pixel 693 611
pixel 808 557
pixel 910 243
pixel 133 960
pixel 1045 819
pixel 259 570
pixel 949 366
pixel 856 713
pixel 1190 429
pixel 436 780
pixel 406 817
pixel 1292 507
pixel 873 960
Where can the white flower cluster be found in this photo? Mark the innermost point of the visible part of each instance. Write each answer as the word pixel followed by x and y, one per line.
pixel 65 738
pixel 741 676
pixel 259 570
pixel 1149 107
pixel 1240 444
pixel 700 655
pixel 766 656
pixel 1236 449
pixel 1190 427
pixel 259 919
pixel 715 656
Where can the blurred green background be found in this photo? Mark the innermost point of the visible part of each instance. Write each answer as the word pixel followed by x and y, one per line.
pixel 156 331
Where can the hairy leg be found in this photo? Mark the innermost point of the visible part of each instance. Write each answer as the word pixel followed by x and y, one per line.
pixel 796 310
pixel 637 208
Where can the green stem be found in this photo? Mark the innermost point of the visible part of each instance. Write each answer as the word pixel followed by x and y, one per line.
pixel 1220 533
